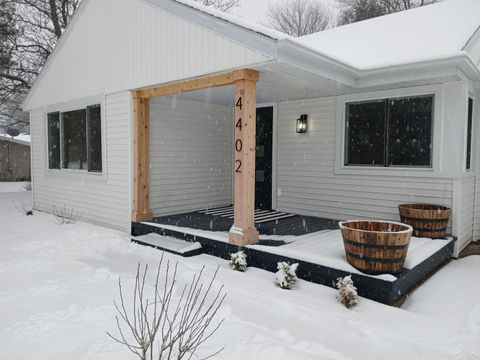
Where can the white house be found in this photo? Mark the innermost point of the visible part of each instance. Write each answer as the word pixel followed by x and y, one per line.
pixel 147 108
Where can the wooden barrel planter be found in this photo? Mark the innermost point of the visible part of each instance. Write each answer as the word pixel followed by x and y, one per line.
pixel 376 247
pixel 427 220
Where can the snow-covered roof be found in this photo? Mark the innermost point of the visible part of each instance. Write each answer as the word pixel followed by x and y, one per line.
pixel 247 24
pixel 23 139
pixel 431 32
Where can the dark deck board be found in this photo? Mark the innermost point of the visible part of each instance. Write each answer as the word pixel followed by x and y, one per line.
pixel 295 225
pixel 373 288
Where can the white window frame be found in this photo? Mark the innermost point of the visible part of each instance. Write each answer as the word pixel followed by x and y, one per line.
pixel 341 168
pixel 72 106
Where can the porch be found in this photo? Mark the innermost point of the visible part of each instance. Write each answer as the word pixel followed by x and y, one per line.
pixel 315 243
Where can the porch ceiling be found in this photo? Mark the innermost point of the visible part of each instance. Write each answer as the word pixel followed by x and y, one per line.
pixel 282 82
pixel 278 82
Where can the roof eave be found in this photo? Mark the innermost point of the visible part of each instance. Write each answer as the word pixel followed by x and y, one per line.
pixel 425 69
pixel 294 54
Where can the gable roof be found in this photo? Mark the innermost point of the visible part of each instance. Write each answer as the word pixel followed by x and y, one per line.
pixel 435 33
pixel 432 32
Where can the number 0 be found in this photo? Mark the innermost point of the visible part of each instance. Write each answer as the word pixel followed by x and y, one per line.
pixel 238 145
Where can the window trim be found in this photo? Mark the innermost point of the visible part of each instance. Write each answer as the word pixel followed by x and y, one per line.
pixel 386 136
pixel 72 106
pixel 340 146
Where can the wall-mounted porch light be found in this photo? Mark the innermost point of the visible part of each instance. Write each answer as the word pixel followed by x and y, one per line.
pixel 302 124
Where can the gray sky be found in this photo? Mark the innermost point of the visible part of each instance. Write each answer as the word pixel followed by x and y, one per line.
pixel 255 10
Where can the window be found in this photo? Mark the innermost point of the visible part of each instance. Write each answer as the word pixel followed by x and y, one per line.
pixel 53 123
pixel 79 136
pixel 469 132
pixel 390 132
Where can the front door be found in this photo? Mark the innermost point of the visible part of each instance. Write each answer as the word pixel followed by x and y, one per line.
pixel 263 164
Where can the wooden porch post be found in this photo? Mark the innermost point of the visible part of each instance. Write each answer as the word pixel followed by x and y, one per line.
pixel 141 159
pixel 243 231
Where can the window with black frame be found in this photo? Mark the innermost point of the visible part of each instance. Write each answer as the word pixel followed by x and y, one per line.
pixel 75 139
pixel 390 132
pixel 469 133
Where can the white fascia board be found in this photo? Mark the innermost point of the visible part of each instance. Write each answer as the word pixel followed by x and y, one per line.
pixel 247 37
pixel 435 68
pixel 299 56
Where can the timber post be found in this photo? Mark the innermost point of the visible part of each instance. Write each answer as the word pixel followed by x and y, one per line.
pixel 243 231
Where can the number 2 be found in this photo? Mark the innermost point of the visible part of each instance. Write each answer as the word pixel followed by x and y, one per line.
pixel 239 166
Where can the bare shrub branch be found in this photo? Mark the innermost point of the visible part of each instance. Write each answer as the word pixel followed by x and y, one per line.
pixel 26 209
pixel 66 215
pixel 162 326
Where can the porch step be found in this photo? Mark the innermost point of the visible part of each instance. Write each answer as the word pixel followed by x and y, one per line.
pixel 169 244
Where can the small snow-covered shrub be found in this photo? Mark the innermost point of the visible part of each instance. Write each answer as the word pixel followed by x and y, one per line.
pixel 25 209
pixel 347 292
pixel 238 261
pixel 286 275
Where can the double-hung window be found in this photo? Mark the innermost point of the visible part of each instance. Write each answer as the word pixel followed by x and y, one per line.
pixel 75 139
pixel 394 132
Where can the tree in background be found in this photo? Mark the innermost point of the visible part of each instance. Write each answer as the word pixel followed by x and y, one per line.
pixel 357 10
pixel 38 24
pixel 223 5
pixel 299 17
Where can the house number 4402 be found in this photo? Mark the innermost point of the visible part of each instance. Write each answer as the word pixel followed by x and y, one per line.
pixel 238 142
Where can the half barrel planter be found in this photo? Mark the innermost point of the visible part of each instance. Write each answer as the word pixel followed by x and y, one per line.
pixel 427 220
pixel 376 247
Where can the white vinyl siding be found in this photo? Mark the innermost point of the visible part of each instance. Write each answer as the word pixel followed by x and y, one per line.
pixel 101 198
pixel 140 45
pixel 190 155
pixel 464 197
pixel 307 182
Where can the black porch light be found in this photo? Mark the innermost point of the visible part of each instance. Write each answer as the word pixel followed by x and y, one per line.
pixel 302 124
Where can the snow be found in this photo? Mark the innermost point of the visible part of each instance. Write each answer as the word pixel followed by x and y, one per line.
pixel 58 283
pixel 322 247
pixel 170 243
pixel 236 20
pixel 431 32
pixel 23 139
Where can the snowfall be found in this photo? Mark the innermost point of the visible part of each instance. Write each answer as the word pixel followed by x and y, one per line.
pixel 58 284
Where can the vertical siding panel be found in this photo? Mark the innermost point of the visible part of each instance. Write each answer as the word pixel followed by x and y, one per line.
pixel 464 211
pixel 190 154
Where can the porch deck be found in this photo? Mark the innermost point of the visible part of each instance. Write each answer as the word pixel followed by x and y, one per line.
pixel 320 253
pixel 267 222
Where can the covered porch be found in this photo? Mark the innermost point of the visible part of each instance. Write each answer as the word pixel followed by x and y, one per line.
pixel 211 142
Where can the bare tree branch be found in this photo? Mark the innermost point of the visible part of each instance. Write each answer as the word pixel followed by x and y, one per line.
pixel 358 10
pixel 299 17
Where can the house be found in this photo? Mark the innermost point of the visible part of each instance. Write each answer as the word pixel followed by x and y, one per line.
pixel 155 107
pixel 14 157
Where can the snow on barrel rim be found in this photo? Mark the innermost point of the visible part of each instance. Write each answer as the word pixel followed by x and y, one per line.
pixel 406 228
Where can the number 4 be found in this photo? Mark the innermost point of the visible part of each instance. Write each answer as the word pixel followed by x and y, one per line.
pixel 239 124
pixel 239 103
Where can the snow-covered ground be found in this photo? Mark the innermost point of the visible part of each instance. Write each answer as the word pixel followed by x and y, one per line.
pixel 58 283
